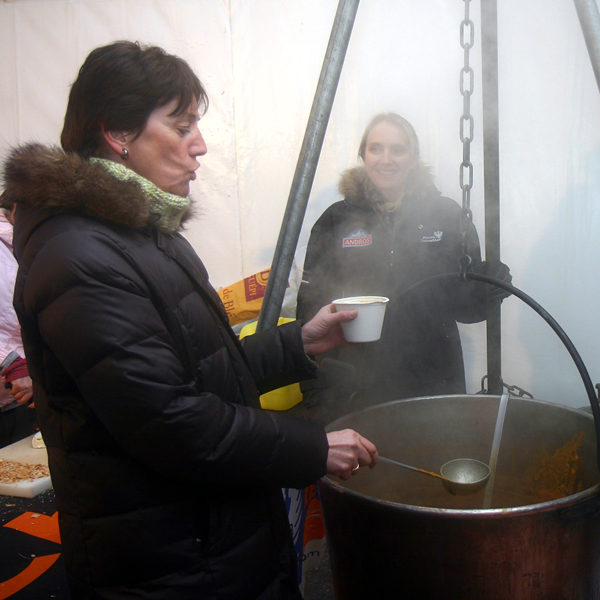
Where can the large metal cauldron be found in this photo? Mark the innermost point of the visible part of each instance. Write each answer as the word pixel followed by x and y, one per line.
pixel 397 534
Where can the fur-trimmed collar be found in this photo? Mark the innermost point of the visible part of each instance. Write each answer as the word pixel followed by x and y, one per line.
pixel 356 187
pixel 51 181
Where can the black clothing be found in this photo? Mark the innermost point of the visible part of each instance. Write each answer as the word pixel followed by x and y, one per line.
pixel 16 423
pixel 359 248
pixel 167 474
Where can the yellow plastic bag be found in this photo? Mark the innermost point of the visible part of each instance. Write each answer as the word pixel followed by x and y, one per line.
pixel 243 299
pixel 281 398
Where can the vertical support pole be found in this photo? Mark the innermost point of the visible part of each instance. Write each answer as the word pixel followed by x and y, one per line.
pixel 307 163
pixel 491 153
pixel 589 18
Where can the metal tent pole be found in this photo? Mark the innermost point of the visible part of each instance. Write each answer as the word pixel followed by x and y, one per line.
pixel 307 163
pixel 489 53
pixel 589 18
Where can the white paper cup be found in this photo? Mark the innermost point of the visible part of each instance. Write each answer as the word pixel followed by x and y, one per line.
pixel 369 321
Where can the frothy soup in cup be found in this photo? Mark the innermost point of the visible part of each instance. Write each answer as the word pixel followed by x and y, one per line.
pixel 369 321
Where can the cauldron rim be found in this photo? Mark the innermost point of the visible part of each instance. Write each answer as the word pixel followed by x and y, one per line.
pixel 496 513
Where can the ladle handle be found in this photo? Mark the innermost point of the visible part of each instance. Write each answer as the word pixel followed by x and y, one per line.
pixel 411 468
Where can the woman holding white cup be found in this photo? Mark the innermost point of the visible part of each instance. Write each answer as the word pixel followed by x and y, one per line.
pixel 393 230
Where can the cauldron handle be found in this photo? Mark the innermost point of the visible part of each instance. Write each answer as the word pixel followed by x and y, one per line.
pixel 587 382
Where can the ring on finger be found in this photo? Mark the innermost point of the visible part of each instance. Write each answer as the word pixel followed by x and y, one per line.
pixel 356 468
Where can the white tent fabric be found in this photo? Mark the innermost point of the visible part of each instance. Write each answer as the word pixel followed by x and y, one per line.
pixel 260 62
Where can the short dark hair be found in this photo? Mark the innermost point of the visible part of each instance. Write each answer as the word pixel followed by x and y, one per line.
pixel 119 86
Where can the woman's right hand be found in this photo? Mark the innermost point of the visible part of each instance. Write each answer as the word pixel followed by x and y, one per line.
pixel 348 450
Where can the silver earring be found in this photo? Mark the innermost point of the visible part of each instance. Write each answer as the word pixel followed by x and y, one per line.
pixel 125 153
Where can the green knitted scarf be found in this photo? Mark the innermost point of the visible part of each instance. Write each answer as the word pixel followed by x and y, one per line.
pixel 169 208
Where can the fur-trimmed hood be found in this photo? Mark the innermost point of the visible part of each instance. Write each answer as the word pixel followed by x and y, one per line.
pixel 356 187
pixel 50 180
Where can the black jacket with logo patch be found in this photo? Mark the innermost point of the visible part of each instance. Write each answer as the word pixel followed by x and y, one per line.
pixel 357 248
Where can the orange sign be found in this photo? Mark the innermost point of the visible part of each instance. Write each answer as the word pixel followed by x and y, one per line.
pixel 37 525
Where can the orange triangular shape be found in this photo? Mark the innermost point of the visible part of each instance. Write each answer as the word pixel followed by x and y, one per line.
pixel 41 526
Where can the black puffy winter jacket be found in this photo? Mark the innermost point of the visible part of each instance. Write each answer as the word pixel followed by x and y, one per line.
pixel 167 474
pixel 358 249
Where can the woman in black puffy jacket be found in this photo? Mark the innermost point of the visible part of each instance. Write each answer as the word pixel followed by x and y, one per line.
pixel 167 474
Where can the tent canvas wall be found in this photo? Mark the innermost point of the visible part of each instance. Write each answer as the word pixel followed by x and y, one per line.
pixel 260 62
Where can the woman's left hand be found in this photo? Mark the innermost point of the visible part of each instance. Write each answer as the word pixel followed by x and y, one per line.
pixel 21 389
pixel 323 332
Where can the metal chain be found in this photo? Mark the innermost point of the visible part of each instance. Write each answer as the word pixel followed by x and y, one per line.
pixel 513 390
pixel 467 37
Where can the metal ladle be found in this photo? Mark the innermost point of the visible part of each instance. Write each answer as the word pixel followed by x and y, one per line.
pixel 461 477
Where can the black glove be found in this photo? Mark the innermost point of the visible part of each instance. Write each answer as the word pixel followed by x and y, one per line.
pixel 326 398
pixel 497 270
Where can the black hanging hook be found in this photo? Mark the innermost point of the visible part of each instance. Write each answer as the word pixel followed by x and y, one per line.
pixel 464 262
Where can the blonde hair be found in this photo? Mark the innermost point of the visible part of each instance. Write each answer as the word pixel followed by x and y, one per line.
pixel 420 176
pixel 395 119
